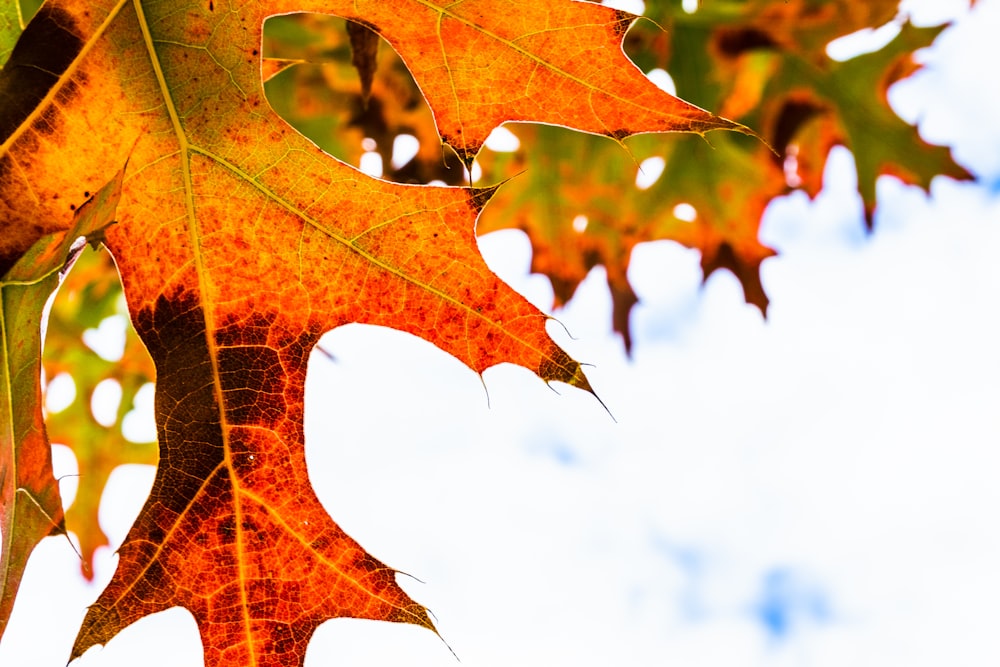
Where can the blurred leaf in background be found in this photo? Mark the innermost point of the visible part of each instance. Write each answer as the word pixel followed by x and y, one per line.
pixel 585 202
pixel 90 309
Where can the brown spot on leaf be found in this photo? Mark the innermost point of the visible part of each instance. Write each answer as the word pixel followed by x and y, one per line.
pixel 174 333
pixel 226 530
pixel 478 197
pixel 151 584
pixel 623 21
pixel 282 640
pixel 558 366
pixel 252 383
pixel 46 48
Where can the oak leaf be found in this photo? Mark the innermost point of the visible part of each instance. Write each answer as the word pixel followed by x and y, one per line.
pixel 588 212
pixel 762 62
pixel 239 243
pixel 30 504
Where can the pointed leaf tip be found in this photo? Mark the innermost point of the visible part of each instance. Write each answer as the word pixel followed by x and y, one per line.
pixel 558 366
pixel 479 197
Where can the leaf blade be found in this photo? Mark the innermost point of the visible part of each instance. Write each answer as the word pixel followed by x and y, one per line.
pixel 239 244
pixel 30 505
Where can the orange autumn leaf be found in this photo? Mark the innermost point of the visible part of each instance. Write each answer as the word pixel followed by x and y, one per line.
pixel 762 62
pixel 482 63
pixel 239 243
pixel 322 97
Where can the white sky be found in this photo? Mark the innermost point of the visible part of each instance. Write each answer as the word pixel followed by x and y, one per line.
pixel 817 490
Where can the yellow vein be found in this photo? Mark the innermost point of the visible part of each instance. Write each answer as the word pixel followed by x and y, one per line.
pixel 8 386
pixel 347 243
pixel 168 534
pixel 63 79
pixel 326 561
pixel 531 56
pixel 454 89
pixel 193 231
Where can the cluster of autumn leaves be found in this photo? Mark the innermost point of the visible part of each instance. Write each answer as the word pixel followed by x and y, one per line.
pixel 761 63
